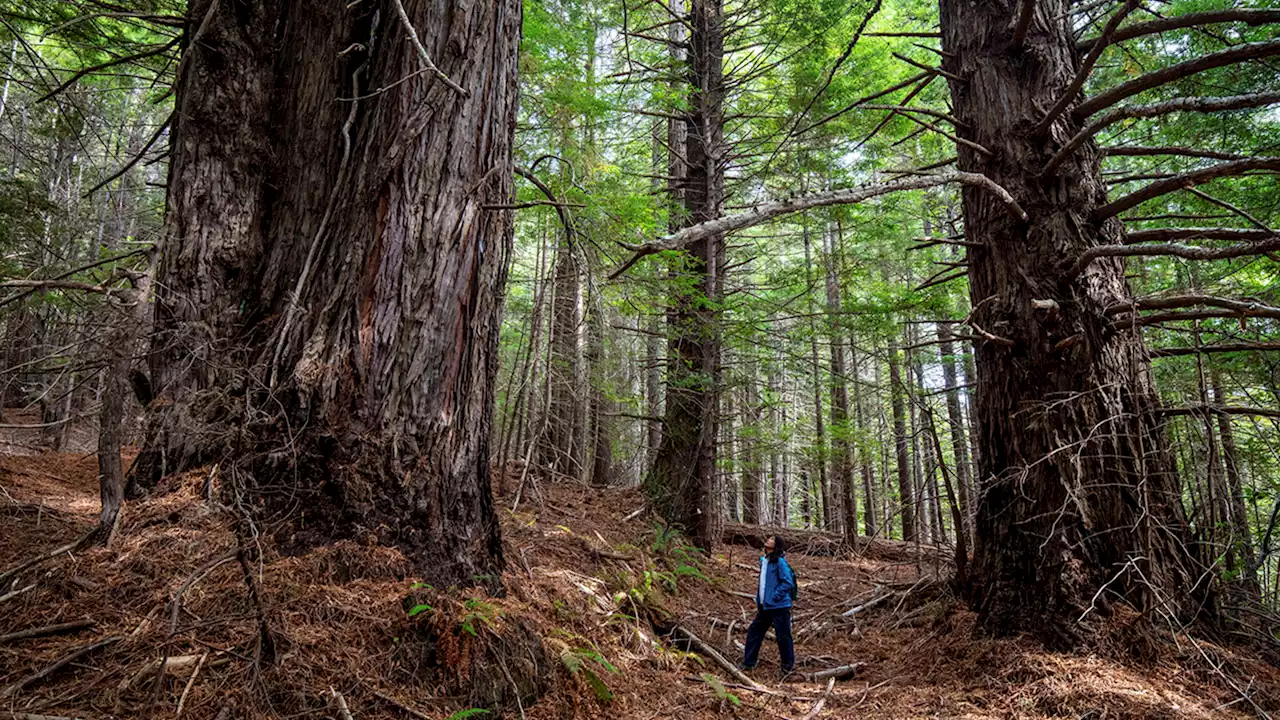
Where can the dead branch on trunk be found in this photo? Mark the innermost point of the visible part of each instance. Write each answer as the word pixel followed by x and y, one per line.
pixel 1190 104
pixel 423 54
pixel 1215 348
pixel 1196 233
pixel 1086 67
pixel 1189 252
pixel 1164 76
pixel 1026 12
pixel 1185 180
pixel 1252 18
pixel 1219 410
pixel 765 212
pixel 1244 307
pixel 1147 151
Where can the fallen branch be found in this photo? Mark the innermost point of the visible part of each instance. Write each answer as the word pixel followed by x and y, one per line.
pixel 47 630
pixel 37 560
pixel 770 210
pixel 817 707
pixel 58 665
pixel 867 605
pixel 342 702
pixel 401 705
pixel 182 701
pixel 844 672
pixel 16 593
pixel 715 655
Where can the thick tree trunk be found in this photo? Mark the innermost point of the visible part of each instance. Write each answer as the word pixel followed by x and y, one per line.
pixel 1077 488
pixel 906 495
pixel 682 482
pixel 332 273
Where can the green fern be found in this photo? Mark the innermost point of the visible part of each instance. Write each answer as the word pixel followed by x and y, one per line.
pixel 468 713
pixel 579 661
pixel 719 689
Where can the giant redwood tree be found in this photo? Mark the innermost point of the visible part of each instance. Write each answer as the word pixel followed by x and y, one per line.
pixel 1078 501
pixel 338 226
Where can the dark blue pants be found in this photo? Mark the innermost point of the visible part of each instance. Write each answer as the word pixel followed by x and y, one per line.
pixel 780 619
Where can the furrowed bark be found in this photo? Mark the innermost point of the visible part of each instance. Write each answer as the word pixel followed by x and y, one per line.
pixel 1076 484
pixel 340 364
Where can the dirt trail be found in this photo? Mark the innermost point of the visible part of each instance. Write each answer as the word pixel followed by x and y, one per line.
pixel 588 571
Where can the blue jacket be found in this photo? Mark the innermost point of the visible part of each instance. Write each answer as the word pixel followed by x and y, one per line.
pixel 778 581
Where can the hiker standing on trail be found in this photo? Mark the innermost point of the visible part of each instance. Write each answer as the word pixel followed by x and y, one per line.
pixel 774 594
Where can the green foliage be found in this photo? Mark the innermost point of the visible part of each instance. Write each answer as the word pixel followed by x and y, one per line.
pixel 468 713
pixel 585 662
pixel 717 687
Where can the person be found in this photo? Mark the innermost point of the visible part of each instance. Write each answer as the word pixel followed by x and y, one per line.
pixel 773 607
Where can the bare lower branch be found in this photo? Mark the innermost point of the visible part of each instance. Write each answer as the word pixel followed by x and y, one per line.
pixel 1086 67
pixel 150 52
pixel 1190 252
pixel 56 285
pixel 423 54
pixel 1193 233
pixel 1229 307
pixel 1164 76
pixel 1249 17
pixel 1185 180
pixel 1215 348
pixel 1219 410
pixel 1141 150
pixel 770 210
pixel 1191 104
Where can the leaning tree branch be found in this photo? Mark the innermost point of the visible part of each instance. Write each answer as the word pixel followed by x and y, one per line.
pixel 1249 17
pixel 1164 76
pixel 770 210
pixel 136 158
pixel 1183 181
pixel 1229 308
pixel 1086 67
pixel 1190 104
pixel 1189 252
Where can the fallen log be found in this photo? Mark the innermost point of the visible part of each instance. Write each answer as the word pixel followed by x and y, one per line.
pixel 817 707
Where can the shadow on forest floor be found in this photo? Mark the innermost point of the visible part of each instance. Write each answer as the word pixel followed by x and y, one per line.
pixel 589 572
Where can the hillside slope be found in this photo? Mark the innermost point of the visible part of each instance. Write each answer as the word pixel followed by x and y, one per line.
pixel 590 573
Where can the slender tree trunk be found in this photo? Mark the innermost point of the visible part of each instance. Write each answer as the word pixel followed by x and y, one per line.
pixel 866 459
pixel 331 281
pixel 683 480
pixel 955 422
pixel 1054 527
pixel 906 496
pixel 1239 516
pixel 841 432
pixel 750 444
pixel 728 457
pixel 560 451
pixel 819 424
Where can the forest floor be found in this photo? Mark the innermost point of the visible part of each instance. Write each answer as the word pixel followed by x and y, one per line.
pixel 581 562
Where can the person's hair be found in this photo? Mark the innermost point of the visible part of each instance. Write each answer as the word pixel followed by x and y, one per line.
pixel 779 547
